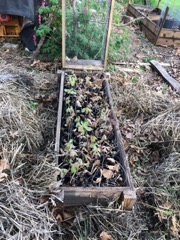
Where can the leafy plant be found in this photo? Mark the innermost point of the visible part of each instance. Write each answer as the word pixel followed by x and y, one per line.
pixel 70 91
pixel 74 167
pixel 86 110
pixel 83 127
pixel 69 145
pixel 33 104
pixel 52 44
pixel 72 80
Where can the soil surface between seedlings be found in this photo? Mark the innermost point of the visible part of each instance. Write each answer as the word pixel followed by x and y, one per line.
pixel 88 153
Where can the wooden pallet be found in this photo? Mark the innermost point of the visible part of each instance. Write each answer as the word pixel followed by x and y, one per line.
pixel 156 34
pixel 124 196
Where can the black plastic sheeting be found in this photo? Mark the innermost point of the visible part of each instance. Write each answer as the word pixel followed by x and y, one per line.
pixel 23 8
pixel 28 31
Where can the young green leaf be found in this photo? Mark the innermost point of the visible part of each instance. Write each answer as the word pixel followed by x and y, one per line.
pixel 74 167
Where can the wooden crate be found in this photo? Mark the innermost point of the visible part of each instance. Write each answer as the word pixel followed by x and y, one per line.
pixel 73 196
pixel 11 28
pixel 156 34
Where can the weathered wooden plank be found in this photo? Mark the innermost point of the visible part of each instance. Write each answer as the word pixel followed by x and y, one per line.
pixel 154 17
pixel 169 33
pixel 177 34
pixel 152 26
pixel 119 140
pixel 96 66
pixel 165 42
pixel 177 43
pixel 175 84
pixel 150 35
pixel 75 196
pixel 60 75
pixel 134 12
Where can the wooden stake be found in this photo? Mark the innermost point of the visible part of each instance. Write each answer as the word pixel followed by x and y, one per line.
pixel 158 4
pixel 162 24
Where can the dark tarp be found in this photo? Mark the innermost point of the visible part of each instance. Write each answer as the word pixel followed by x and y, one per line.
pixel 23 8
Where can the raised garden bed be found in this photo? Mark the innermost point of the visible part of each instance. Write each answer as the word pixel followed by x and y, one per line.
pixel 90 153
pixel 150 24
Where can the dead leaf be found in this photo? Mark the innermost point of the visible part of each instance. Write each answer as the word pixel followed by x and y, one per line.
pixel 3 177
pixel 54 186
pixel 167 205
pixel 174 227
pixel 155 156
pixel 107 173
pixel 98 83
pixel 44 199
pixel 4 164
pixel 105 236
pixel 78 104
pixel 72 153
pixel 59 219
pixel 129 135
pixel 96 98
pixel 34 63
pixel 110 167
pixel 98 180
pixel 116 167
pixel 112 160
pixel 66 216
pixel 96 163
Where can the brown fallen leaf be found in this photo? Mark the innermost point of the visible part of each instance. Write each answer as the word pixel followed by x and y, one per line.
pixel 107 173
pixel 174 227
pixel 4 164
pixel 59 219
pixel 3 177
pixel 105 236
pixel 155 156
pixel 66 216
pixel 44 199
pixel 110 167
pixel 72 153
pixel 54 186
pixel 129 135
pixel 96 163
pixel 96 98
pixel 98 180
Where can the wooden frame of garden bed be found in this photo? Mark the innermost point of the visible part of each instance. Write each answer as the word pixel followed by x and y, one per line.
pixel 81 64
pixel 73 196
pixel 156 34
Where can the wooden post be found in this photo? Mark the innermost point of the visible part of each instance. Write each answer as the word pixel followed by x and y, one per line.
pixel 158 4
pixel 162 24
pixel 63 33
pixel 109 32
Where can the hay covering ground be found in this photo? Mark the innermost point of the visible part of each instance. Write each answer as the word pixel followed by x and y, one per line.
pixel 26 146
pixel 28 103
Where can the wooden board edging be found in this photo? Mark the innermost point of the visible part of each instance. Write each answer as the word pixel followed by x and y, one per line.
pixel 124 196
pixel 175 84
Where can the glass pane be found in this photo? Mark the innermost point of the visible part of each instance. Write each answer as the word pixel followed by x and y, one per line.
pixel 86 29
